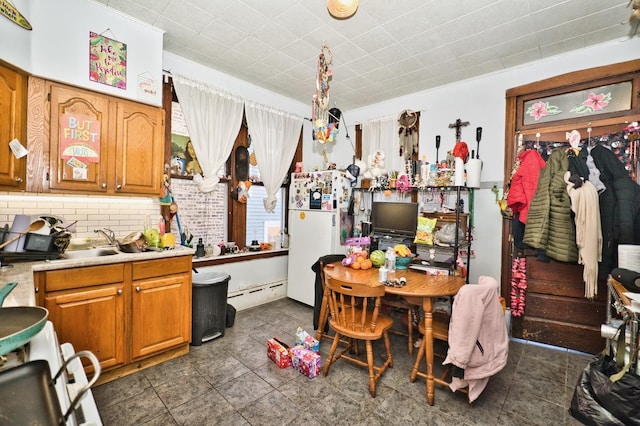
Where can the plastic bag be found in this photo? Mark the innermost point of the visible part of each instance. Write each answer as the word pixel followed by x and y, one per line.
pixel 447 234
pixel 599 401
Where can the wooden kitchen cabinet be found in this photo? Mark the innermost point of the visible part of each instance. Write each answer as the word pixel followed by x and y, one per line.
pixel 13 119
pixel 117 146
pixel 125 312
pixel 161 318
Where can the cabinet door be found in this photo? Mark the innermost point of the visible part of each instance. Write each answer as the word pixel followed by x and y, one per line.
pixel 91 319
pixel 161 314
pixel 13 110
pixel 79 140
pixel 139 148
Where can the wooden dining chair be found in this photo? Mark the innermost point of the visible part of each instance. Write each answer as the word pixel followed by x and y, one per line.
pixel 355 314
pixel 440 326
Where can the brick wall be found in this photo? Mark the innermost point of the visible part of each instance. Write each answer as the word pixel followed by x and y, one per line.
pixel 201 213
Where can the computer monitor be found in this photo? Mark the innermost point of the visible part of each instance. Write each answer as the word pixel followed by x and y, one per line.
pixel 394 218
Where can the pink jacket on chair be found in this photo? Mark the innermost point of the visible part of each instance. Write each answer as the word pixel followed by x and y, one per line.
pixel 478 338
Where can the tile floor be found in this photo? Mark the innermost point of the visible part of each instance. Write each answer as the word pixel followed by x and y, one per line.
pixel 230 381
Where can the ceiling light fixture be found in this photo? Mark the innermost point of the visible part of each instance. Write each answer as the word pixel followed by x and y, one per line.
pixel 342 9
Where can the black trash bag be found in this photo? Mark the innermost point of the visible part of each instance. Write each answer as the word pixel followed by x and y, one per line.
pixel 599 401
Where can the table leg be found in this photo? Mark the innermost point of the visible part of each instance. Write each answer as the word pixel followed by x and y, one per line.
pixel 428 339
pixel 324 314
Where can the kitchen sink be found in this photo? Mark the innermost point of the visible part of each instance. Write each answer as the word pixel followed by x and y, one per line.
pixel 91 252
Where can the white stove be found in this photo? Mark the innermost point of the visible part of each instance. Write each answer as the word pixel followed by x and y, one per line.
pixel 45 346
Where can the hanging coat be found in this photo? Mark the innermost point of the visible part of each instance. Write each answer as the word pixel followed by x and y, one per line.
pixel 550 226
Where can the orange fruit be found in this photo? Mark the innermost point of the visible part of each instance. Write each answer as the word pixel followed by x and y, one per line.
pixel 355 265
pixel 367 264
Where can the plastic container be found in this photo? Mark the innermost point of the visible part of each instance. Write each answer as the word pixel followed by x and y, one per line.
pixel 209 306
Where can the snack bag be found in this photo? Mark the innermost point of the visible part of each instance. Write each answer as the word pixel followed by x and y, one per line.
pixel 424 233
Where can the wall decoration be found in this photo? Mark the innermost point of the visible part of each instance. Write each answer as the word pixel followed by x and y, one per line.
pixel 79 140
pixel 184 162
pixel 581 103
pixel 107 61
pixel 10 12
pixel 147 87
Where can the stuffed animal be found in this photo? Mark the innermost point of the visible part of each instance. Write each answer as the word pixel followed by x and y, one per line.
pixel 376 165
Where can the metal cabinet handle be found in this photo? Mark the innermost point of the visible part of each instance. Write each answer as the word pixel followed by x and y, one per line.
pixel 138 289
pixel 104 185
pixel 118 187
pixel 19 179
pixel 119 291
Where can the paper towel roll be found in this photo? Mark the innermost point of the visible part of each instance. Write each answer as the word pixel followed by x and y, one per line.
pixel 458 176
pixel 474 169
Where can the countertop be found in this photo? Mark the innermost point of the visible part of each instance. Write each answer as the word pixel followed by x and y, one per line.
pixel 22 272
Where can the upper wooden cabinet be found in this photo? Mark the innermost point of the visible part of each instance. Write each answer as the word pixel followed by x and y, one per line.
pixel 96 143
pixel 13 114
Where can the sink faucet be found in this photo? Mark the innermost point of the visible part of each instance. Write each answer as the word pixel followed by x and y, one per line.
pixel 109 235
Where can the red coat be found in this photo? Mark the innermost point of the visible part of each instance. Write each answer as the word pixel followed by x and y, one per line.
pixel 524 183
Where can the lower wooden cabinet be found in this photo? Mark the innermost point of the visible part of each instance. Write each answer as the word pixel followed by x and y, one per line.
pixel 123 312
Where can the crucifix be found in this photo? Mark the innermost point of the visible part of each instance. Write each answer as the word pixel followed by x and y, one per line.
pixel 458 125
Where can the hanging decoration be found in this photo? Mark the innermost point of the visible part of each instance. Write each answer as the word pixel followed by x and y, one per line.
pixel 107 60
pixel 9 11
pixel 408 131
pixel 518 286
pixel 325 121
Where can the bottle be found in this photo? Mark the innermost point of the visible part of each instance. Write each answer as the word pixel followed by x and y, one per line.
pixel 390 261
pixel 200 248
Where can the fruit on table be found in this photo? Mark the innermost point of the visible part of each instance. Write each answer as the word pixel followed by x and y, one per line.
pixel 401 250
pixel 357 261
pixel 377 258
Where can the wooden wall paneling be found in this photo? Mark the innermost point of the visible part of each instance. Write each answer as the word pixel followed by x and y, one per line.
pixel 38 116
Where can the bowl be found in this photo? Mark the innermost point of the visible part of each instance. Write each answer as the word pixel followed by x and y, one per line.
pixel 403 262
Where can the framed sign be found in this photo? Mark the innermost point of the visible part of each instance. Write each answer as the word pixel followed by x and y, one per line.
pixel 107 61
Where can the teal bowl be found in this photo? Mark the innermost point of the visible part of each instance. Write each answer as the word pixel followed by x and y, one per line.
pixel 403 262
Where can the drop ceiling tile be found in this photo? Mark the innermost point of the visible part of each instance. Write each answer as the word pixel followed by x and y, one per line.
pixel 520 58
pixel 188 15
pixel 373 39
pixel 300 49
pixel 223 32
pixel 271 9
pixel 299 20
pixel 137 10
pixel 563 46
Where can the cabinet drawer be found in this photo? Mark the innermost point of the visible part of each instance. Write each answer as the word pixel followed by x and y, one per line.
pixel 65 279
pixel 161 267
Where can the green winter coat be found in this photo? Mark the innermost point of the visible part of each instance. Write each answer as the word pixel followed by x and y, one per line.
pixel 550 226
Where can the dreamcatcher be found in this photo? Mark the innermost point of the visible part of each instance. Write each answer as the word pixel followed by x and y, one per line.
pixel 325 121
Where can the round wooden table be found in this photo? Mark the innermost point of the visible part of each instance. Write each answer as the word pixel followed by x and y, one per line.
pixel 420 289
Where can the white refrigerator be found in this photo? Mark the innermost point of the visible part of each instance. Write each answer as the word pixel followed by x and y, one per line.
pixel 318 225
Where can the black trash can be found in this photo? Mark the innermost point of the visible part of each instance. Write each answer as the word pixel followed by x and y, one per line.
pixel 209 306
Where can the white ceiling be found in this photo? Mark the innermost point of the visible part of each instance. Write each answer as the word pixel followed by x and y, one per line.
pixel 388 49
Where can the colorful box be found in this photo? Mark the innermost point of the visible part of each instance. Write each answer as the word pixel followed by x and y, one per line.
pixel 278 352
pixel 305 339
pixel 305 361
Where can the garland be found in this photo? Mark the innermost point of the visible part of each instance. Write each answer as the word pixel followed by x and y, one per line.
pixel 518 286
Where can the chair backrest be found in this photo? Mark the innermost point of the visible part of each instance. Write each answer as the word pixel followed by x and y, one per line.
pixel 354 306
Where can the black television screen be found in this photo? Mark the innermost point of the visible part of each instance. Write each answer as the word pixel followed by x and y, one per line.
pixel 394 218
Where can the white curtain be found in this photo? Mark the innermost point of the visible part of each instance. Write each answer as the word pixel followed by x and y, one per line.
pixel 213 119
pixel 382 134
pixel 274 138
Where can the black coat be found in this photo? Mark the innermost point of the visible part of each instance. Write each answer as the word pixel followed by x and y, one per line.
pixel 619 207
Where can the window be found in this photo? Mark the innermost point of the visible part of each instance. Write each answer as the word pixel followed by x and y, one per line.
pixel 243 222
pixel 260 225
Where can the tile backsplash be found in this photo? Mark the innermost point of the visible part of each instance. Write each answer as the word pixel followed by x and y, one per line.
pixel 202 214
pixel 123 215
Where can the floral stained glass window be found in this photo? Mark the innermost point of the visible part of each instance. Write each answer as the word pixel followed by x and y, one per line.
pixel 582 103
